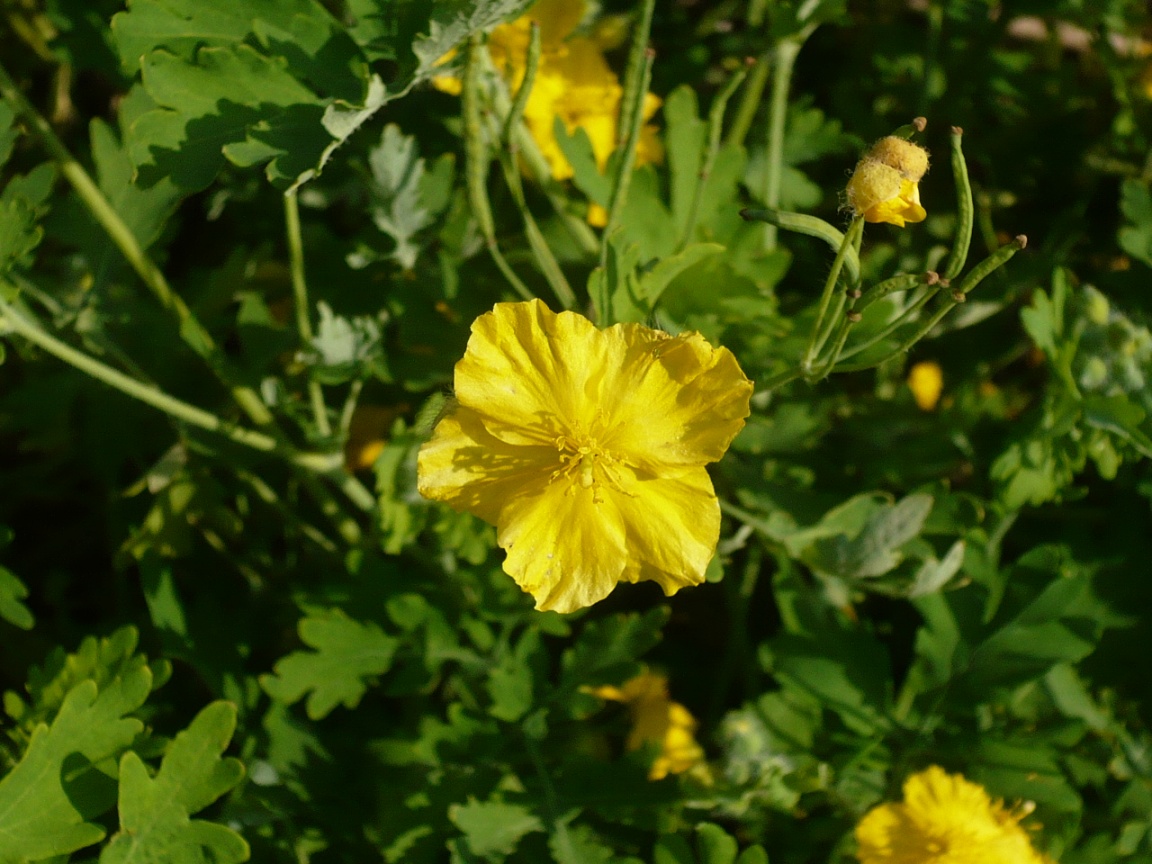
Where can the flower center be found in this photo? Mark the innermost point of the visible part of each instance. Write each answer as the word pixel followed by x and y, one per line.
pixel 587 465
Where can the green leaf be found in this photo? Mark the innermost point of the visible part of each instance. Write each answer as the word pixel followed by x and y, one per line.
pixel 12 591
pixel 848 672
pixel 404 201
pixel 347 653
pixel 714 845
pixel 606 650
pixel 144 211
pixel 492 826
pixel 1136 235
pixel 344 349
pixel 685 135
pixel 154 812
pixel 48 799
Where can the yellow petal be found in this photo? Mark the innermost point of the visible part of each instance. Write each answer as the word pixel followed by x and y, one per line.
pixel 465 466
pixel 564 549
pixel 672 526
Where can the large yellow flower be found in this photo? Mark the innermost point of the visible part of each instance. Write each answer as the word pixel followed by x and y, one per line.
pixel 586 449
pixel 656 719
pixel 945 819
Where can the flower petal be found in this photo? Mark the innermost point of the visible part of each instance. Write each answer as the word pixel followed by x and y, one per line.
pixel 464 466
pixel 673 400
pixel 672 525
pixel 565 549
pixel 526 369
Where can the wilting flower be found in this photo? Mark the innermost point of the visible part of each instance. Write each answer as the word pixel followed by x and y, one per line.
pixel 885 185
pixel 926 381
pixel 656 719
pixel 586 449
pixel 945 819
pixel 573 82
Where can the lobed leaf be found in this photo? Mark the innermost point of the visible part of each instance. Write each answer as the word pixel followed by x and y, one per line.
pixel 155 823
pixel 347 653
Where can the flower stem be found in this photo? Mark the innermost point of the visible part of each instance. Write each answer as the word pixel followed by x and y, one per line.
pixel 545 259
pixel 636 79
pixel 324 464
pixel 816 342
pixel 626 156
pixel 192 331
pixel 749 101
pixel 783 62
pixel 812 226
pixel 476 167
pixel 300 296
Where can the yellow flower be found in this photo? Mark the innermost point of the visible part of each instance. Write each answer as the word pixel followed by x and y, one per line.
pixel 926 381
pixel 573 82
pixel 885 185
pixel 656 719
pixel 945 819
pixel 586 449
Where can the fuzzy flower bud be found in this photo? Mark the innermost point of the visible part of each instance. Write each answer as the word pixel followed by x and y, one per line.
pixel 911 160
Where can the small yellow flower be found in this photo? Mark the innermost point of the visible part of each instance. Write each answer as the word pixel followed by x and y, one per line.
pixel 926 381
pixel 586 449
pixel 656 719
pixel 885 185
pixel 945 819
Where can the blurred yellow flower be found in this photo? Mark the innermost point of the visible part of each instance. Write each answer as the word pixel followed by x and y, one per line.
pixel 573 82
pixel 656 719
pixel 926 381
pixel 884 187
pixel 945 819
pixel 586 449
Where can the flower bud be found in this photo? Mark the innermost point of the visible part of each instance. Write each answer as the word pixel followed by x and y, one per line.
pixel 911 160
pixel 872 183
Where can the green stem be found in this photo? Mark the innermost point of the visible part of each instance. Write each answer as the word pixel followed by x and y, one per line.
pixel 626 159
pixel 767 385
pixel 997 259
pixel 545 258
pixel 899 321
pixel 300 296
pixel 349 408
pixel 476 167
pixel 811 226
pixel 322 464
pixel 145 393
pixel 636 79
pixel 749 101
pixel 818 327
pixel 192 331
pixel 783 62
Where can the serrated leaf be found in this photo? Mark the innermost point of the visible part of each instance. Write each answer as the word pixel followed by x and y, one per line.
pixel 492 826
pixel 345 348
pixel 47 799
pixel 347 653
pixel 579 844
pixel 399 208
pixel 12 591
pixel 155 823
pixel 453 21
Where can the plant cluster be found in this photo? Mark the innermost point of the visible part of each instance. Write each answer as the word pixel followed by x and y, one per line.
pixel 512 431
